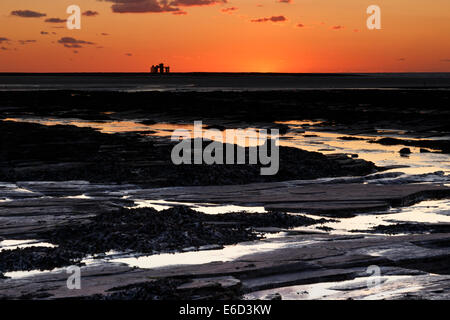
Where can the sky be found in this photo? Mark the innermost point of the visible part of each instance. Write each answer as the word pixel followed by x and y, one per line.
pixel 225 36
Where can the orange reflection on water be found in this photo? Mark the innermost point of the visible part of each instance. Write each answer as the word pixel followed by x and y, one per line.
pixel 109 127
pixel 306 135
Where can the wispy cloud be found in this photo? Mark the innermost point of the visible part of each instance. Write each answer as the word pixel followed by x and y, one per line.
pixel 158 6
pixel 70 42
pixel 229 9
pixel 55 20
pixel 272 19
pixel 90 13
pixel 26 41
pixel 27 14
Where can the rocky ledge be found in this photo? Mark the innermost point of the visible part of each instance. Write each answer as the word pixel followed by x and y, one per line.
pixel 33 152
pixel 144 231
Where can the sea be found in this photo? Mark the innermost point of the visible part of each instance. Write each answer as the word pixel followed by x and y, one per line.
pixel 208 82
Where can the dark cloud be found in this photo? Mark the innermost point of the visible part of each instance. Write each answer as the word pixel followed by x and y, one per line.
pixel 4 48
pixel 445 60
pixel 70 42
pixel 337 27
pixel 72 45
pixel 300 25
pixel 27 14
pixel 27 41
pixel 191 3
pixel 285 1
pixel 47 33
pixel 141 6
pixel 128 54
pixel 3 39
pixel 229 10
pixel 90 13
pixel 55 20
pixel 272 19
pixel 156 6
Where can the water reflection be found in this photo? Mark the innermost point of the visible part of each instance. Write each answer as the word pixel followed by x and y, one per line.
pixel 307 135
pixel 228 253
pixel 20 244
pixel 390 286
pixel 433 212
pixel 207 208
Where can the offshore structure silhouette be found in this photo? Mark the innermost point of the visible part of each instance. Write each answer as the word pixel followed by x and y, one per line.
pixel 160 68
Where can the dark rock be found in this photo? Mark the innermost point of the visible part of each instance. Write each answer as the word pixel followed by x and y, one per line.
pixel 310 135
pixel 147 230
pixel 443 145
pixel 148 122
pixel 324 228
pixel 35 296
pixel 350 138
pixel 168 289
pixel 405 151
pixel 164 289
pixel 274 296
pixel 283 129
pixel 216 127
pixel 414 228
pixel 41 258
pixel 388 141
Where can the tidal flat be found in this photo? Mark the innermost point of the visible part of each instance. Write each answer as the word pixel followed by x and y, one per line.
pixel 86 179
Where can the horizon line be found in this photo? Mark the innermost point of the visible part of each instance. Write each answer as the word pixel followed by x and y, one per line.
pixel 220 72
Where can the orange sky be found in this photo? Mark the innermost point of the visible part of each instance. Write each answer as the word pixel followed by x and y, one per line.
pixel 415 36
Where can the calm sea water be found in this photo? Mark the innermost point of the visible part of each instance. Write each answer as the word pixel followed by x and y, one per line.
pixel 220 81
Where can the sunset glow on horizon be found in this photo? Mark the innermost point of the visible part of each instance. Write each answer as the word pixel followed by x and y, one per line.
pixel 225 36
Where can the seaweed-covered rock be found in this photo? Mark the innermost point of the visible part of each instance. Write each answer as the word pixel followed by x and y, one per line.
pixel 41 258
pixel 33 152
pixel 147 230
